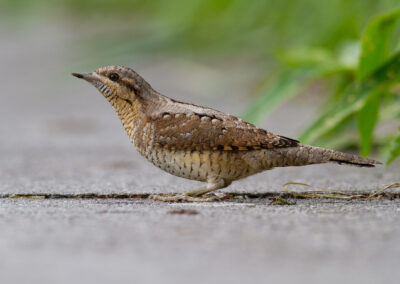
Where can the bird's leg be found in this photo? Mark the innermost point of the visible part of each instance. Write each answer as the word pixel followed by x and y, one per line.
pixel 197 195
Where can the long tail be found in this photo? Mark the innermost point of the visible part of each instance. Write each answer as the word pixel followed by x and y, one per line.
pixel 302 155
pixel 331 156
pixel 353 160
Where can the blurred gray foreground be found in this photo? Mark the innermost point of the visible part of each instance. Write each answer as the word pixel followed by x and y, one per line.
pixel 58 135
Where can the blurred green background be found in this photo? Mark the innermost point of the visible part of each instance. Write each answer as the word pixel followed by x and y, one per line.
pixel 214 30
pixel 348 48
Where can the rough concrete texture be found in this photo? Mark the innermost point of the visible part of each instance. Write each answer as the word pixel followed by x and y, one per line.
pixel 58 135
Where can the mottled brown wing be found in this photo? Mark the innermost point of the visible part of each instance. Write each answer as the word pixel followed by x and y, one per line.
pixel 196 131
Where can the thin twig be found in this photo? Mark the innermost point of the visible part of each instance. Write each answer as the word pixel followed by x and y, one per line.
pixel 325 193
pixel 393 185
pixel 321 192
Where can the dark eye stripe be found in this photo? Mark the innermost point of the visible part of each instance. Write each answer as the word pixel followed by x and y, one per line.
pixel 132 87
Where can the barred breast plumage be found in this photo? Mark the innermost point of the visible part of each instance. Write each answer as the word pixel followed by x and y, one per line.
pixel 192 164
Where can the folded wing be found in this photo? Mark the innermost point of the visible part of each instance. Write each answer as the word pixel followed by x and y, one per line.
pixel 205 131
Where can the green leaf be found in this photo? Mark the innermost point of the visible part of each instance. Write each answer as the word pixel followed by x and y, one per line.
pixel 349 54
pixel 287 86
pixel 353 99
pixel 367 118
pixel 375 45
pixel 394 151
pixel 322 60
pixel 305 56
pixel 356 98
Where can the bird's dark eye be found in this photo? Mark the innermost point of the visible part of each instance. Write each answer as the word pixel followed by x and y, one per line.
pixel 114 76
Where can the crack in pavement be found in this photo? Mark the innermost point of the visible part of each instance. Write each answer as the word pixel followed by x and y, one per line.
pixel 229 195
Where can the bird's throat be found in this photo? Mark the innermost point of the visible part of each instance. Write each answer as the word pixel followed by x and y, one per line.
pixel 127 112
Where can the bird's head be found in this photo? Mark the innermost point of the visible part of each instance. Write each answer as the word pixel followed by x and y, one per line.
pixel 117 82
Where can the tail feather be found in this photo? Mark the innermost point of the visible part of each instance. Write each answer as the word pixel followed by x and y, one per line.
pixel 306 155
pixel 316 155
pixel 350 159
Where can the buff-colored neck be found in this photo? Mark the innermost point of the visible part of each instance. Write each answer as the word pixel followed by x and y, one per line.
pixel 127 112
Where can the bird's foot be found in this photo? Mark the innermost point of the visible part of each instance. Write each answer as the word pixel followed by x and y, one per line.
pixel 182 197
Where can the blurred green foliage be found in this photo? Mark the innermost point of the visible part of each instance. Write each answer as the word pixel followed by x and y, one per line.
pixel 222 27
pixel 351 46
pixel 367 86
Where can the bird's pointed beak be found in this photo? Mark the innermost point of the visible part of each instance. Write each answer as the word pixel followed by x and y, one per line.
pixel 90 77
